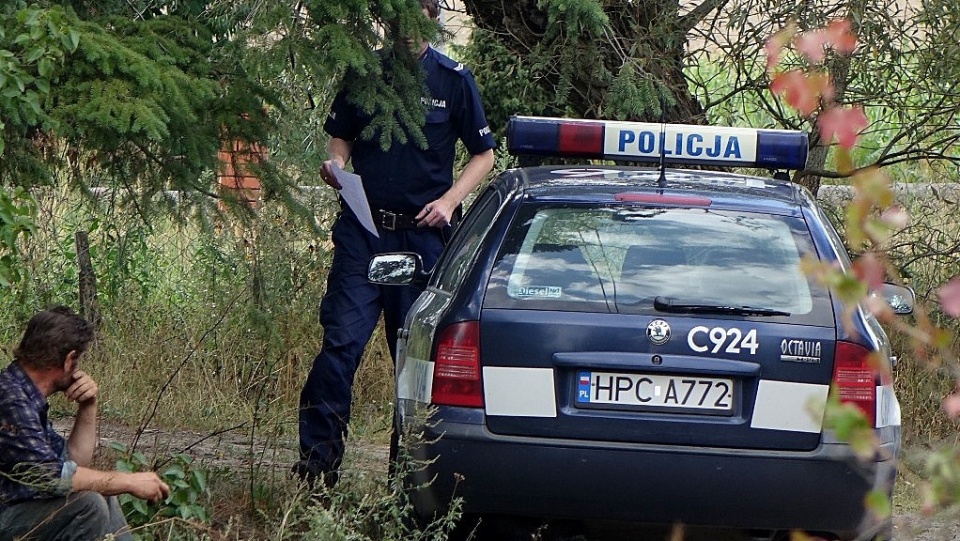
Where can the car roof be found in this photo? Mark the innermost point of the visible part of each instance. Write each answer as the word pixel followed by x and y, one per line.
pixel 589 183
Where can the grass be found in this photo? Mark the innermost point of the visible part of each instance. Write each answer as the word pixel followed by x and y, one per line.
pixel 213 327
pixel 206 328
pixel 926 254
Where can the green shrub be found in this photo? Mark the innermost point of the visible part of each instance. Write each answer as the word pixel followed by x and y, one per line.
pixel 189 497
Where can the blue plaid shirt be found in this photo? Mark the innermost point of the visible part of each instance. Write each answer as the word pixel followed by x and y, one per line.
pixel 33 456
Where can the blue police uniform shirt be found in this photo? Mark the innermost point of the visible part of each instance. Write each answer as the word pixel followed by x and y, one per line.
pixel 406 177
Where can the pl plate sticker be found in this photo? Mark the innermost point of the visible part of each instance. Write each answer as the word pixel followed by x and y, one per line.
pixel 658 332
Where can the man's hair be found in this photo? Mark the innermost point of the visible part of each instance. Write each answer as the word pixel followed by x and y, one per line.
pixel 432 7
pixel 51 335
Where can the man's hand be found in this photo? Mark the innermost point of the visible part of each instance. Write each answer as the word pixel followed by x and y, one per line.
pixel 338 151
pixel 326 173
pixel 83 390
pixel 437 213
pixel 82 442
pixel 146 486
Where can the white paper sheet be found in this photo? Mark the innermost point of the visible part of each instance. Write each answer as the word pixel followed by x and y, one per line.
pixel 352 192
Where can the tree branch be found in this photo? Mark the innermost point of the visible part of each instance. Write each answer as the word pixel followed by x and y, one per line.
pixel 687 22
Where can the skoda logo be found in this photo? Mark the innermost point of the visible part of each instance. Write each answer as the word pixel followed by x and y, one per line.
pixel 658 331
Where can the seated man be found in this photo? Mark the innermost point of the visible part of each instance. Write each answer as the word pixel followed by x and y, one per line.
pixel 48 491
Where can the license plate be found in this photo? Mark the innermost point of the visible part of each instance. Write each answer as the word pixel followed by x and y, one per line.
pixel 659 391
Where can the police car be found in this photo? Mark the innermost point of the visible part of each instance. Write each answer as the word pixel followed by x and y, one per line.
pixel 617 343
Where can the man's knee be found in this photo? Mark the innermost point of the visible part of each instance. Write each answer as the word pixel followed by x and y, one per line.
pixel 88 504
pixel 90 514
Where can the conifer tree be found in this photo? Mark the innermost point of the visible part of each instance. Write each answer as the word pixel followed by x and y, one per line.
pixel 112 94
pixel 137 96
pixel 306 50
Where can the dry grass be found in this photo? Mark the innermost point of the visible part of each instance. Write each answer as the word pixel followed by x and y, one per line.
pixel 205 330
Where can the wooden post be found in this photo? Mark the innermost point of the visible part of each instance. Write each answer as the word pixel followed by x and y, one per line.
pixel 89 306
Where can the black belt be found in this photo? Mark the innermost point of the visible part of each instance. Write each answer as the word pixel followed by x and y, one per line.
pixel 390 220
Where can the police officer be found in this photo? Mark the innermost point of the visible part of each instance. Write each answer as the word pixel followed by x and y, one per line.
pixel 414 199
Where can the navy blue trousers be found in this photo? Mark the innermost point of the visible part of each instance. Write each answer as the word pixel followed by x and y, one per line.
pixel 349 313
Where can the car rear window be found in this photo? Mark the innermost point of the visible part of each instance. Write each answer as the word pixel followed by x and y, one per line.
pixel 618 259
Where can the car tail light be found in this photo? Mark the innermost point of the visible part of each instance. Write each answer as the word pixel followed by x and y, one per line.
pixel 456 371
pixel 855 379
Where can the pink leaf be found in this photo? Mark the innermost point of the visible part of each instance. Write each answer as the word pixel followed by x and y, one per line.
pixel 896 217
pixel 811 45
pixel 950 297
pixel 951 405
pixel 775 44
pixel 802 91
pixel 868 269
pixel 791 84
pixel 842 124
pixel 879 307
pixel 841 37
pixel 836 36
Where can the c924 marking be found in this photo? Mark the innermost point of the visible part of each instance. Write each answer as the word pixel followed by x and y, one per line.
pixel 733 338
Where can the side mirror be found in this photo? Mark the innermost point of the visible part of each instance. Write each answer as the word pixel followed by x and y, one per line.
pixel 900 298
pixel 395 269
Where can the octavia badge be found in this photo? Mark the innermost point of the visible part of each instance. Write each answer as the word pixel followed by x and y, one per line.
pixel 658 332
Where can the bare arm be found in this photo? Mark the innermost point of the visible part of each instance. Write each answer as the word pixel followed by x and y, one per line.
pixel 338 152
pixel 83 437
pixel 144 485
pixel 439 212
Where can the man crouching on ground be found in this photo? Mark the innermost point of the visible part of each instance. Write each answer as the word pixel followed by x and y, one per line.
pixel 48 491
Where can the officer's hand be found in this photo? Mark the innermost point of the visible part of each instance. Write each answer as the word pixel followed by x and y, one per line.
pixel 436 214
pixel 326 173
pixel 83 389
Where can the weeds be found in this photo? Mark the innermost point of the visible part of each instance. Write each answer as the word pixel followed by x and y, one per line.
pixel 204 327
pixel 189 497
pixel 215 327
pixel 926 253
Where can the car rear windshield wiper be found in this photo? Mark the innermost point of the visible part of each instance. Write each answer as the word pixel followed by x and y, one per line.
pixel 667 304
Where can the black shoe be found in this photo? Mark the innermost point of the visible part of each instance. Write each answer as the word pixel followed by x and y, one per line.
pixel 312 474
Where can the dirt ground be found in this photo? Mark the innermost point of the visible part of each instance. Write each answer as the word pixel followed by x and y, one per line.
pixel 230 450
pixel 945 527
pixel 234 451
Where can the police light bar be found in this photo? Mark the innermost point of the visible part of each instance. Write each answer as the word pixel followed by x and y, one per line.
pixel 653 142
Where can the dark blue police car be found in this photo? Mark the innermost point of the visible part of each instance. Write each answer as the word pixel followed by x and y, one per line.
pixel 613 343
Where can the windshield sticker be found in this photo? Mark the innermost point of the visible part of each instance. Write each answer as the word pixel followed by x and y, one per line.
pixel 748 182
pixel 549 292
pixel 800 351
pixel 579 173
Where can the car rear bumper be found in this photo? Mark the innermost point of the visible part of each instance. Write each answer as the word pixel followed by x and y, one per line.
pixel 821 490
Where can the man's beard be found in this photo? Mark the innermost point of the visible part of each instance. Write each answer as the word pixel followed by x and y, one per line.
pixel 64 382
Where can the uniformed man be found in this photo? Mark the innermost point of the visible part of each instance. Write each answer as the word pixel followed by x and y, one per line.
pixel 414 199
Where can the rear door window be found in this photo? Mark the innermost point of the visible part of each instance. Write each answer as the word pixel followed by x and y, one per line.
pixel 462 250
pixel 619 259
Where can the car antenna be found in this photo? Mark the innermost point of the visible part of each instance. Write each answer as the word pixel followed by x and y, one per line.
pixel 662 181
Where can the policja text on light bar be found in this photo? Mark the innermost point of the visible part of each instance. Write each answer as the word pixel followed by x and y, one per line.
pixel 651 142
